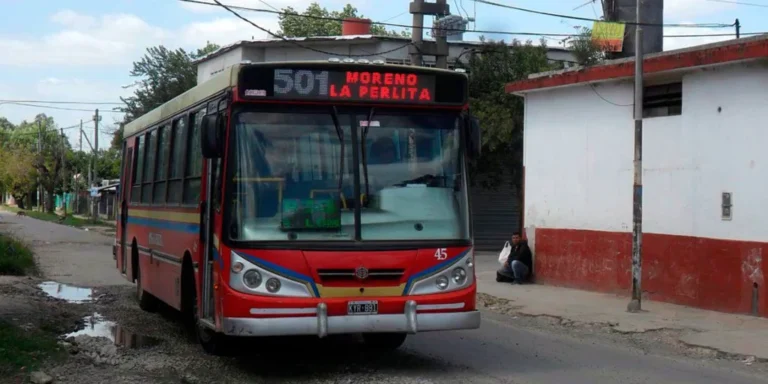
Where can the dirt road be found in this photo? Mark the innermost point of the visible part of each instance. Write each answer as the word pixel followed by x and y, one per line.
pixel 110 340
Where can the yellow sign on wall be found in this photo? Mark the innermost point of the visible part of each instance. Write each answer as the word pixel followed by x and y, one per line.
pixel 608 36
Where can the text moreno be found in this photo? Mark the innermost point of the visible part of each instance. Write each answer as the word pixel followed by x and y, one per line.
pixel 381 86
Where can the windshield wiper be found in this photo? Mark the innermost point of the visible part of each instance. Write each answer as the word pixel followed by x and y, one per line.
pixel 365 158
pixel 340 134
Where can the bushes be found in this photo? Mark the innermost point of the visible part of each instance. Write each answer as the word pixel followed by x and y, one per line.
pixel 15 257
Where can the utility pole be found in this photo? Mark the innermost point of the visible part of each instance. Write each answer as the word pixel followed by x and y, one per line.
pixel 63 173
pixel 738 28
pixel 79 172
pixel 96 119
pixel 637 200
pixel 419 47
pixel 39 159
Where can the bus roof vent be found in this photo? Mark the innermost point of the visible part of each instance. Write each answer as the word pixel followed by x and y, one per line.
pixel 334 60
pixel 364 61
pixel 462 70
pixel 378 62
pixel 348 60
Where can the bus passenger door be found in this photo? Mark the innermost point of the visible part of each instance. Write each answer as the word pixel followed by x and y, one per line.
pixel 125 190
pixel 209 206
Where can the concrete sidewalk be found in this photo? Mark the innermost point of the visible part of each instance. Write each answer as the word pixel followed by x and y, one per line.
pixel 729 333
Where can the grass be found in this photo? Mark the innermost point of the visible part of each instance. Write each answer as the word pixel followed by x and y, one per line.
pixel 52 217
pixel 23 351
pixel 15 257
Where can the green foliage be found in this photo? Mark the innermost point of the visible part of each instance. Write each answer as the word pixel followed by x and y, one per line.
pixel 586 51
pixel 297 26
pixel 23 351
pixel 163 74
pixel 15 257
pixel 22 162
pixel 501 115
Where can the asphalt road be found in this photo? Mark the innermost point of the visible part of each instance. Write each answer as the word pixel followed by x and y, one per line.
pixel 506 349
pixel 501 351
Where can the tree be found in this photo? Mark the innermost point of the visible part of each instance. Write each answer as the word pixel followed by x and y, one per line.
pixel 17 173
pixel 163 74
pixel 586 51
pixel 501 115
pixel 292 25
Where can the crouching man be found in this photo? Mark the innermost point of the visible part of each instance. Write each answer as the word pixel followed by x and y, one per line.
pixel 519 264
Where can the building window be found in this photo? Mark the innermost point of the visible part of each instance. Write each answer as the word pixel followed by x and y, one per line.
pixel 663 100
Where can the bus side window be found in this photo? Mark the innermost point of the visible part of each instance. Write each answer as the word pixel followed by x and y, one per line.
pixel 176 161
pixel 137 169
pixel 161 170
pixel 194 163
pixel 149 165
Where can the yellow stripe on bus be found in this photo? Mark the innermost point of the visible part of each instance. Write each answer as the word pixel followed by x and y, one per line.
pixel 182 217
pixel 332 292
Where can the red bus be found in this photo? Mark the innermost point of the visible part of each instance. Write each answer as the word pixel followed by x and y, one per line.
pixel 305 198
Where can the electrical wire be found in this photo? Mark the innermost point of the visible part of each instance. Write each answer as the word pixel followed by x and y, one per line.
pixel 739 3
pixel 490 32
pixel 60 102
pixel 301 45
pixel 714 25
pixel 592 87
pixel 58 108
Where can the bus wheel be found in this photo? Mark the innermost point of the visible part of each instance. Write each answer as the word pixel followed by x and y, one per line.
pixel 213 343
pixel 384 341
pixel 147 302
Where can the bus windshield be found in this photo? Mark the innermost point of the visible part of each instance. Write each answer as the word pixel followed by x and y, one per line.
pixel 293 176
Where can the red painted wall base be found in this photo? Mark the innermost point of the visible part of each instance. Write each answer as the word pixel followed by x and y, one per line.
pixel 712 274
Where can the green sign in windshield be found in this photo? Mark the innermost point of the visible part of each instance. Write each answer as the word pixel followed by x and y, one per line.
pixel 310 214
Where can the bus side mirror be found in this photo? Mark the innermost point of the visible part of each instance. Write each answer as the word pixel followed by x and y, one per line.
pixel 474 137
pixel 211 138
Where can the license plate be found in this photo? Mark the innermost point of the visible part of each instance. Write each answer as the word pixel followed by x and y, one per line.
pixel 362 307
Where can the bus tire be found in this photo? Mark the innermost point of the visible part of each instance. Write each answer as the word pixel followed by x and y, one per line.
pixel 384 341
pixel 147 302
pixel 213 343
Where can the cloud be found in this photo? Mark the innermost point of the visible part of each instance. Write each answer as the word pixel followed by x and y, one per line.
pixel 84 41
pixel 225 31
pixel 689 9
pixel 271 4
pixel 672 43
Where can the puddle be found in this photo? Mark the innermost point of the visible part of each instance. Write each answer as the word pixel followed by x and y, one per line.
pixel 97 326
pixel 66 292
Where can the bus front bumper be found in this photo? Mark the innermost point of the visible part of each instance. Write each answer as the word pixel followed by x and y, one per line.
pixel 322 325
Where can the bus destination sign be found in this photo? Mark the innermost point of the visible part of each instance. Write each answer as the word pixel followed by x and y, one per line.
pixel 349 85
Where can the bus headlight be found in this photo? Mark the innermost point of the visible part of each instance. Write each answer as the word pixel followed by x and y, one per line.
pixel 459 276
pixel 442 283
pixel 263 278
pixel 457 273
pixel 252 279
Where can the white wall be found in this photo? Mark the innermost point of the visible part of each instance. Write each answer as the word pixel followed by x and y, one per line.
pixel 208 68
pixel 579 151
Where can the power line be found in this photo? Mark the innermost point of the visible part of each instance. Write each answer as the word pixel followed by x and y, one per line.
pixel 301 45
pixel 490 32
pixel 52 107
pixel 739 3
pixel 596 20
pixel 61 102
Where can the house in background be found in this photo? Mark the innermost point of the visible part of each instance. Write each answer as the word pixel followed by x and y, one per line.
pixel 496 212
pixel 705 175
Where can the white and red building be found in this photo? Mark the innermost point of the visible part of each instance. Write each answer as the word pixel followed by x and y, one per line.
pixel 705 175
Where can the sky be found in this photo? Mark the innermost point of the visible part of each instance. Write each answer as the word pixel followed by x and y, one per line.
pixel 83 50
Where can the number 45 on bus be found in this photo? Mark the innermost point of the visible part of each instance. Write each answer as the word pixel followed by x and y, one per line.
pixel 304 199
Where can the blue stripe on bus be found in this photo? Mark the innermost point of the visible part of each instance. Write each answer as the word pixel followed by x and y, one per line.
pixel 167 225
pixel 280 270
